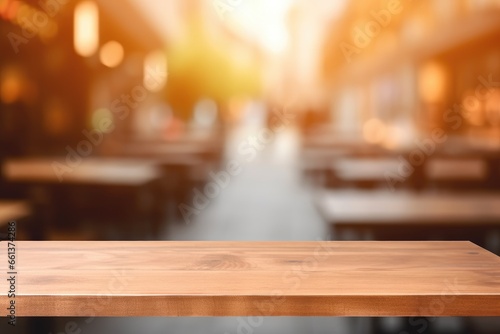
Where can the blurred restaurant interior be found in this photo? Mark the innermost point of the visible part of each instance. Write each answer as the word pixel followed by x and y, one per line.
pixel 252 120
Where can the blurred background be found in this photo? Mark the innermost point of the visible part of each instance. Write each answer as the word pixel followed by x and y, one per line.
pixel 252 120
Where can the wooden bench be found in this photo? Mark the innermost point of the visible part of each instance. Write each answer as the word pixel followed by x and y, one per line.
pixel 162 278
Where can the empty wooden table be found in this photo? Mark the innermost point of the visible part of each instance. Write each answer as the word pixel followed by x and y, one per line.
pixel 255 278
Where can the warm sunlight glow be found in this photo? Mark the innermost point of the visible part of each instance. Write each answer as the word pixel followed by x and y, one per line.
pixel 86 29
pixel 264 22
pixel 155 71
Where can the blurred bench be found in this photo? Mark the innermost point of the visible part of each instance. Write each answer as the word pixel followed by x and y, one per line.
pixel 405 215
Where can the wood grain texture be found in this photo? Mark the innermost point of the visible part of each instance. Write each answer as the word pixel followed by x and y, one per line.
pixel 255 278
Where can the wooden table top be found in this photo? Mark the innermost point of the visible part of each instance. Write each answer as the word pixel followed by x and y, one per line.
pixel 12 210
pixel 167 149
pixel 400 207
pixel 456 169
pixel 378 169
pixel 100 171
pixel 360 169
pixel 106 278
pixel 329 139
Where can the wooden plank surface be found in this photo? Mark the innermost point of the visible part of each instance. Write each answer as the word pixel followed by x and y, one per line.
pixel 402 207
pixel 254 278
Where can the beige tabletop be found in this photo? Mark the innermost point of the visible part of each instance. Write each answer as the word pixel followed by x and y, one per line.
pixel 114 278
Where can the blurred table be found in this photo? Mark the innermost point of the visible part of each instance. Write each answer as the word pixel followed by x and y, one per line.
pixel 256 279
pixel 364 169
pixel 468 149
pixel 334 139
pixel 315 163
pixel 13 210
pixel 474 169
pixel 405 215
pixel 167 149
pixel 457 173
pixel 181 170
pixel 180 160
pixel 114 189
pixel 99 171
pixel 208 147
pixel 440 172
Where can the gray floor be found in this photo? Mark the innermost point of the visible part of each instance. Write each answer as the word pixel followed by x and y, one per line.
pixel 267 200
